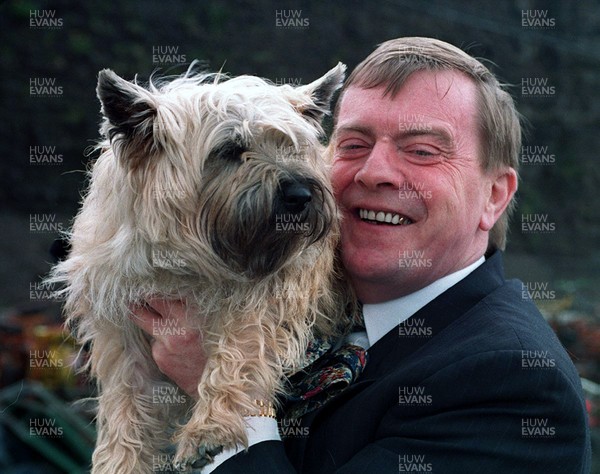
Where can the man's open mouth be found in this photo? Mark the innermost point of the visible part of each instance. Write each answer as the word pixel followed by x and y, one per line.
pixel 382 217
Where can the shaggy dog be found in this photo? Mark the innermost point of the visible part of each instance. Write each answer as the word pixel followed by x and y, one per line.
pixel 213 191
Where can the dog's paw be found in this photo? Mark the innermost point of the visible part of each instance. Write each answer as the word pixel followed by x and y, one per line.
pixel 206 455
pixel 191 456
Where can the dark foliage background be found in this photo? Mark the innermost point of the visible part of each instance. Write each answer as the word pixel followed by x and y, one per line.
pixel 77 39
pixel 243 37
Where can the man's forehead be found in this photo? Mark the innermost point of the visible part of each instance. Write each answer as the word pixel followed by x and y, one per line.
pixel 445 94
pixel 443 82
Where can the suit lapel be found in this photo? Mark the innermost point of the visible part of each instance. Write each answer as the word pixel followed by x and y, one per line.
pixel 433 318
pixel 407 338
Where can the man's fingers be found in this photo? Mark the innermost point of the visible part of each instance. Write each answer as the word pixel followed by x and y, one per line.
pixel 146 318
pixel 151 314
pixel 168 309
pixel 166 320
pixel 176 347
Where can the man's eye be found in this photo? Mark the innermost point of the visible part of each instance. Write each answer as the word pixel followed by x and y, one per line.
pixel 423 155
pixel 352 146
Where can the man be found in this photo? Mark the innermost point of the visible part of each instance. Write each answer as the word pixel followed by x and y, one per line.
pixel 464 375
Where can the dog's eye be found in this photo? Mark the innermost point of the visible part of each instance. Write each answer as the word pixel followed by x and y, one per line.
pixel 230 150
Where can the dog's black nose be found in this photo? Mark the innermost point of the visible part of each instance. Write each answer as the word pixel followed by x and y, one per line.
pixel 295 196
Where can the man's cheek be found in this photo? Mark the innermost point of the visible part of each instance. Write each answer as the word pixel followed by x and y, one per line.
pixel 337 181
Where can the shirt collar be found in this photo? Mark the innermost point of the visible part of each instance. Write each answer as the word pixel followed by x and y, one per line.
pixel 380 318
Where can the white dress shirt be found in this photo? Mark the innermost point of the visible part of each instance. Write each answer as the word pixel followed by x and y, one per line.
pixel 381 318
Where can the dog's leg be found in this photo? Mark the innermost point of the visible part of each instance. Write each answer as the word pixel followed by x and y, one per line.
pixel 132 431
pixel 237 371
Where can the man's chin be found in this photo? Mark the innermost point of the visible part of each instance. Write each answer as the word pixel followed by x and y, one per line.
pixel 372 271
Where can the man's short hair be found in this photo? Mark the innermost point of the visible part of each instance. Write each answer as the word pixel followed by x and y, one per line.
pixel 394 61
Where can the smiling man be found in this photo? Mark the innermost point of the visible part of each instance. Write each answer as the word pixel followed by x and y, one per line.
pixel 463 374
pixel 425 137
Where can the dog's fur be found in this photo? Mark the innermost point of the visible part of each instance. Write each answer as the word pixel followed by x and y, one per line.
pixel 198 169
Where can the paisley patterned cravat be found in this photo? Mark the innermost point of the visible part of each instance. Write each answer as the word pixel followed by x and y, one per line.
pixel 331 372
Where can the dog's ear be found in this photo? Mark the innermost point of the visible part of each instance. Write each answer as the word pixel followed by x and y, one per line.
pixel 321 92
pixel 128 108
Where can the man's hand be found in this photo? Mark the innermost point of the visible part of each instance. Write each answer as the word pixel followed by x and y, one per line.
pixel 176 344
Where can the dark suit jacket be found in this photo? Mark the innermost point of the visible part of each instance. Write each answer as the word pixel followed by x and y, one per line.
pixel 474 382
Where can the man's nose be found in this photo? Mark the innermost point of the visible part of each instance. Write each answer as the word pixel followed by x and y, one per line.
pixel 382 168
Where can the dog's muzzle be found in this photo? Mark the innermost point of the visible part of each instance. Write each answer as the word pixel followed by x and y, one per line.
pixel 295 196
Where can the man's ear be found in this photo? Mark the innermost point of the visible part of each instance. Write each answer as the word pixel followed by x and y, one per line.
pixel 502 190
pixel 127 107
pixel 320 92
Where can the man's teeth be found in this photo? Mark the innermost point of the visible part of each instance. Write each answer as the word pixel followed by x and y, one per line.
pixel 386 217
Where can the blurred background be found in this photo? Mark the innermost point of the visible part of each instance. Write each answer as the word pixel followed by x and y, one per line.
pixel 548 51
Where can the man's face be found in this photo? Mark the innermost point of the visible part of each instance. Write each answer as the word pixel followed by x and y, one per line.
pixel 413 163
